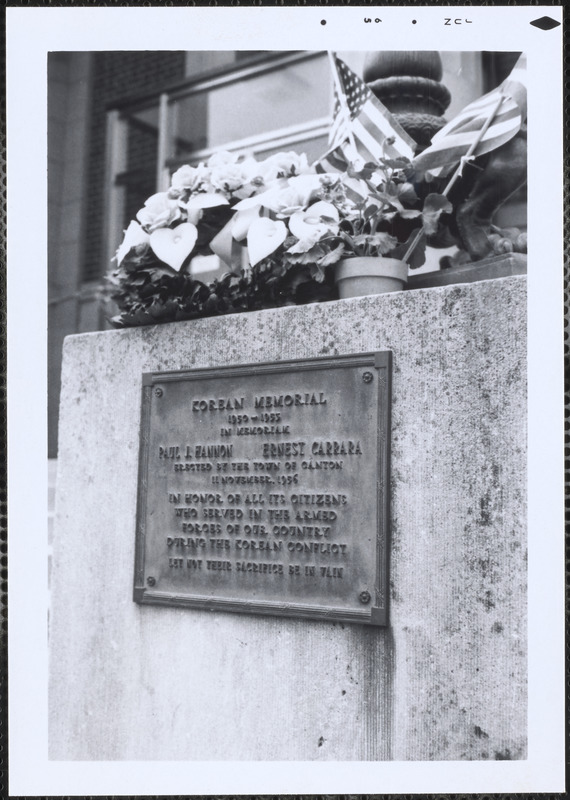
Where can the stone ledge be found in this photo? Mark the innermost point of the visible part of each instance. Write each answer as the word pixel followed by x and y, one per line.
pixel 503 266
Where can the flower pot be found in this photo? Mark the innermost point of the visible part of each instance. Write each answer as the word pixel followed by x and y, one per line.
pixel 369 275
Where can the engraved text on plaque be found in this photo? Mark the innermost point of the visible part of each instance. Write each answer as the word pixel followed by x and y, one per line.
pixel 264 488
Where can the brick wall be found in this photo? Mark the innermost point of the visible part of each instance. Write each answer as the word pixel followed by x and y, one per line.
pixel 69 80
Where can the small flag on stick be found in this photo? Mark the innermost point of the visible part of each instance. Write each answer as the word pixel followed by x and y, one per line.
pixel 506 105
pixel 363 128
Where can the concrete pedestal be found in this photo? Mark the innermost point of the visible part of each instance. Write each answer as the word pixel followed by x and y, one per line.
pixel 446 679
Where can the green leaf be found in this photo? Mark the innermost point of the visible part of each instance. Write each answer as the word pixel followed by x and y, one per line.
pixel 310 257
pixel 317 274
pixel 396 163
pixel 117 321
pixel 382 242
pixel 434 206
pixel 437 203
pixel 332 257
pixel 364 172
pixel 407 193
pixel 418 255
pixel 390 199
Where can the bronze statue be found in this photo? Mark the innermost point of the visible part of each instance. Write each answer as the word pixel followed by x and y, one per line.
pixel 485 185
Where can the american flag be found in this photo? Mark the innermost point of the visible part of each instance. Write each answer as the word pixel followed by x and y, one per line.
pixel 361 125
pixel 505 106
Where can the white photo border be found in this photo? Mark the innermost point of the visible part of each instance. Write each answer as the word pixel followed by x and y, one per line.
pixel 31 34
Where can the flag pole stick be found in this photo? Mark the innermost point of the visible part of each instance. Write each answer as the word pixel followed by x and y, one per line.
pixel 482 132
pixel 341 99
pixel 459 171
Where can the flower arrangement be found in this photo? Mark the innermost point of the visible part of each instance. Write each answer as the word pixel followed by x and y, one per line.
pixel 278 224
pixel 371 210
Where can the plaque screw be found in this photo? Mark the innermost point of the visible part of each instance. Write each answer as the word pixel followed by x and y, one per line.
pixel 364 597
pixel 367 377
pixel 151 581
pixel 158 391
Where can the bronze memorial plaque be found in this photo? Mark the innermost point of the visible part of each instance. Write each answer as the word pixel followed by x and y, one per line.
pixel 264 488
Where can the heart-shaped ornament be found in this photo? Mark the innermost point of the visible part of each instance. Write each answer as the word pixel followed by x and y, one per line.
pixel 241 222
pixel 264 237
pixel 309 223
pixel 206 200
pixel 174 245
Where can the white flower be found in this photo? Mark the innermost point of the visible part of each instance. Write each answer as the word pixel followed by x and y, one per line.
pixel 228 177
pixel 296 195
pixel 253 186
pixel 134 236
pixel 310 184
pixel 283 165
pixel 192 178
pixel 222 158
pixel 233 177
pixel 159 211
pixel 286 197
pixel 285 202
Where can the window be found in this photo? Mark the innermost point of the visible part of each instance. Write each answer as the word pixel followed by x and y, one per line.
pixel 285 101
pixel 260 102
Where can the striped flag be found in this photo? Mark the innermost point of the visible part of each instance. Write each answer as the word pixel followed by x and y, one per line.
pixel 505 105
pixel 361 125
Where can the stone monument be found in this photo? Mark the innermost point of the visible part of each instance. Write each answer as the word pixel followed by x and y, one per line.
pixel 442 677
